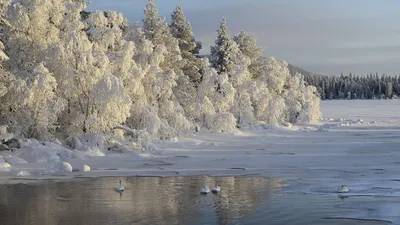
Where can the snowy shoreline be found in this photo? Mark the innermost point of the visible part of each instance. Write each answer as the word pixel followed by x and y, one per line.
pixel 333 146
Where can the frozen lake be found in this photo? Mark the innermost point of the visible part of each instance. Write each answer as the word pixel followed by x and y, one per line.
pixel 174 200
pixel 378 110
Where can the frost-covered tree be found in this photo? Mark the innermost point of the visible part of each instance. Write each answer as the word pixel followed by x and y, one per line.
pixel 84 73
pixel 88 73
pixel 41 104
pixel 158 32
pixel 241 80
pixel 31 105
pixel 223 52
pixel 275 74
pixel 4 24
pixel 156 109
pixel 204 110
pixel 248 46
pixel 152 23
pixel 34 26
pixel 181 29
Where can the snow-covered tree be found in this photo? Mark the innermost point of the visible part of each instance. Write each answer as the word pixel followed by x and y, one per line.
pixel 4 24
pixel 156 109
pixel 31 105
pixel 204 110
pixel 222 53
pixel 275 74
pixel 241 80
pixel 181 29
pixel 88 73
pixel 158 32
pixel 34 26
pixel 41 104
pixel 248 45
pixel 84 73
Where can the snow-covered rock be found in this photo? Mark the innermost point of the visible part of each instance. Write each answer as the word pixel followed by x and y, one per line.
pixel 4 166
pixel 84 168
pixel 62 167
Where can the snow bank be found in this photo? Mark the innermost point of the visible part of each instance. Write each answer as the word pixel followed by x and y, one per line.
pixel 34 151
pixel 12 159
pixel 336 123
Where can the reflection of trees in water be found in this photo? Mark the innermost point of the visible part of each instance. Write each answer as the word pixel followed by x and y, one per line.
pixel 151 200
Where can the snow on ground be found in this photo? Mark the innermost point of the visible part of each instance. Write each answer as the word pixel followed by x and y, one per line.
pixel 357 144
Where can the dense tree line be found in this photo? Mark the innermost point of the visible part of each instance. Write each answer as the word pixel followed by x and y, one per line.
pixel 372 86
pixel 68 72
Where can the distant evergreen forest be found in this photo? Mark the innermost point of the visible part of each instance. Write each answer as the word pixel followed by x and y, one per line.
pixel 372 86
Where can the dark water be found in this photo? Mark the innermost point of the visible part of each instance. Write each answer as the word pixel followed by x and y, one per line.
pixel 175 200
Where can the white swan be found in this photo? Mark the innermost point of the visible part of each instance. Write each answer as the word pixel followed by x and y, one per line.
pixel 205 190
pixel 120 188
pixel 216 189
pixel 343 189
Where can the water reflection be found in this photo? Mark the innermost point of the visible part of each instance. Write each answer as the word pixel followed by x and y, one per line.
pixel 146 200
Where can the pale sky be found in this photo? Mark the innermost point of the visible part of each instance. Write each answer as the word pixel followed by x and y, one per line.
pixel 321 36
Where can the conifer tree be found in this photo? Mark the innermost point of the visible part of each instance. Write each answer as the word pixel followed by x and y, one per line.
pixel 181 29
pixel 222 53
